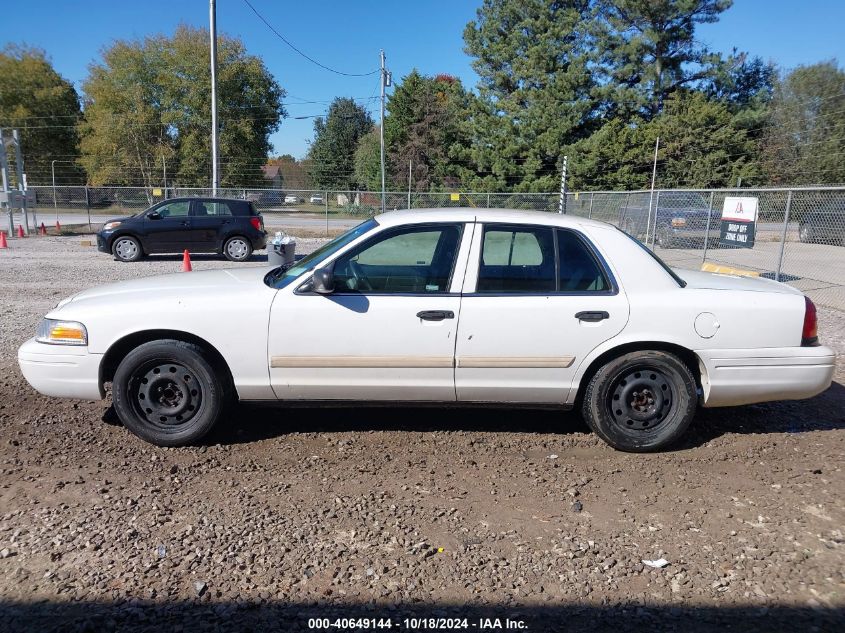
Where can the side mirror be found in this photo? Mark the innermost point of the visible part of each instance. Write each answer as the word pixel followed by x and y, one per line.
pixel 323 281
pixel 154 215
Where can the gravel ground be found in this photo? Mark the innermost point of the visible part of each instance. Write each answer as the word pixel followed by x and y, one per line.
pixel 290 513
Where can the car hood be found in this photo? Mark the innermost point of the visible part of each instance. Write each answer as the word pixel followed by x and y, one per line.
pixel 185 284
pixel 718 281
pixel 123 219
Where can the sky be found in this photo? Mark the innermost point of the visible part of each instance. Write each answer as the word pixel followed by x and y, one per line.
pixel 347 36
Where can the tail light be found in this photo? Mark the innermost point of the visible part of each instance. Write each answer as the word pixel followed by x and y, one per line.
pixel 810 333
pixel 256 222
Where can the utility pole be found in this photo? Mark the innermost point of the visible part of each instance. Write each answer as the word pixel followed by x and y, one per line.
pixel 410 164
pixel 4 172
pixel 212 18
pixel 651 195
pixel 561 207
pixel 384 83
pixel 16 141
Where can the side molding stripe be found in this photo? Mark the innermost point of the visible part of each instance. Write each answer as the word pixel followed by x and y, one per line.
pixel 515 361
pixel 422 362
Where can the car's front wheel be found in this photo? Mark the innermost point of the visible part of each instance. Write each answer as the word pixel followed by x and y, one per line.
pixel 237 249
pixel 167 392
pixel 641 401
pixel 664 238
pixel 127 249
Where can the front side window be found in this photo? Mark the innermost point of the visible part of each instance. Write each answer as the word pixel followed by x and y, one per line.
pixel 174 210
pixel 517 259
pixel 415 260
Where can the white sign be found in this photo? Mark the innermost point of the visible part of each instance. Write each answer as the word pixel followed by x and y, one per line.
pixel 740 209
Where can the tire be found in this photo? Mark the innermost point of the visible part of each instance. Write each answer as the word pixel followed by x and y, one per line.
pixel 126 248
pixel 168 393
pixel 237 248
pixel 639 426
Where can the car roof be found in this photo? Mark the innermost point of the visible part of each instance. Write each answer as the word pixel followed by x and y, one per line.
pixel 468 214
pixel 205 199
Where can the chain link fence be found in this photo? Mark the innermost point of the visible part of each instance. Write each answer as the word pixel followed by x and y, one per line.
pixel 800 232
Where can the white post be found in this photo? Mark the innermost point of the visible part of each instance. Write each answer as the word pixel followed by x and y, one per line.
pixel 381 132
pixel 212 18
pixel 410 163
pixel 53 171
pixel 164 175
pixel 561 207
pixel 651 195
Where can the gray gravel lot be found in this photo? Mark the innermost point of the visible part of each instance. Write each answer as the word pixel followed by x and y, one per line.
pixel 289 513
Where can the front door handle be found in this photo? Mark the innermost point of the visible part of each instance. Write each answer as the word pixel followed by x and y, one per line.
pixel 592 315
pixel 435 315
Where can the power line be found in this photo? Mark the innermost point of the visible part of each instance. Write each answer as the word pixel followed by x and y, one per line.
pixel 310 59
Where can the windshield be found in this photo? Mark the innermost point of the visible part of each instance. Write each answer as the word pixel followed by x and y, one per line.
pixel 281 277
pixel 663 264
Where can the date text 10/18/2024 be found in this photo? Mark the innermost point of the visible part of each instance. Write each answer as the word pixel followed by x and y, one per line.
pixel 418 623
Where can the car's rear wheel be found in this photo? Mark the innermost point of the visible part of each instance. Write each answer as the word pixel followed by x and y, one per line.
pixel 237 249
pixel 642 401
pixel 168 393
pixel 664 237
pixel 127 249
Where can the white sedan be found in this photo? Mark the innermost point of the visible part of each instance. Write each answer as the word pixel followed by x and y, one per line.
pixel 450 306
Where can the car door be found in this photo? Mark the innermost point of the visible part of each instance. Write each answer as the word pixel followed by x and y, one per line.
pixel 538 300
pixel 210 219
pixel 167 227
pixel 387 332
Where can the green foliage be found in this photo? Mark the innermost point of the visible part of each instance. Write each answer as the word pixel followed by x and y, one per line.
pixel 336 137
pixel 368 161
pixel 533 59
pixel 44 106
pixel 805 138
pixel 426 129
pixel 150 100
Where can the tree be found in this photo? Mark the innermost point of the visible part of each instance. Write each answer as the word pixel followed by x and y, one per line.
pixel 426 128
pixel 336 137
pixel 646 50
pixel 805 139
pixel 368 161
pixel 533 60
pixel 294 173
pixel 149 101
pixel 44 106
pixel 702 145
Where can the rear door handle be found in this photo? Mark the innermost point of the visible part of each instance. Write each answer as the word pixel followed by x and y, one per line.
pixel 592 315
pixel 435 315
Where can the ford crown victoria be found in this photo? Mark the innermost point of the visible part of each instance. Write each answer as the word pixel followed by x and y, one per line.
pixel 447 306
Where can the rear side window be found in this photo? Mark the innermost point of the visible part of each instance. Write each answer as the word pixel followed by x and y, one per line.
pixel 524 259
pixel 214 208
pixel 517 259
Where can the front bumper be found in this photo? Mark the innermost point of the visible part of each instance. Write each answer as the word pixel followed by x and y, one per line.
pixel 746 376
pixel 102 243
pixel 63 371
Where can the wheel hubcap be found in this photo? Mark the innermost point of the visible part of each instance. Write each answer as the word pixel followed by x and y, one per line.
pixel 126 249
pixel 167 395
pixel 237 249
pixel 641 399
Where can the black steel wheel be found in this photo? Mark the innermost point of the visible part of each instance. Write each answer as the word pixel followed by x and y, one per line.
pixel 642 401
pixel 168 392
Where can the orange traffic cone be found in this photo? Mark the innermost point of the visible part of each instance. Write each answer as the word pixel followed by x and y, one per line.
pixel 3 243
pixel 58 227
pixel 186 262
pixel 20 231
pixel 43 230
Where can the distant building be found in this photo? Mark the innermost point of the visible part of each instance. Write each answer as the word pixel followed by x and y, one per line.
pixel 272 176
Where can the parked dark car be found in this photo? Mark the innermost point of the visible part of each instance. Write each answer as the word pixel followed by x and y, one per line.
pixel 824 226
pixel 681 220
pixel 233 228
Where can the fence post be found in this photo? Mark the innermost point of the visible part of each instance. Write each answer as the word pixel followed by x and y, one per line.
pixel 707 229
pixel 488 199
pixel 590 212
pixel 656 207
pixel 326 201
pixel 88 207
pixel 783 234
